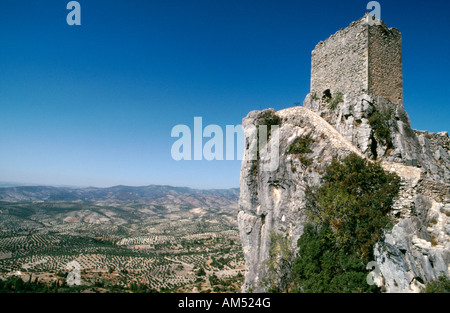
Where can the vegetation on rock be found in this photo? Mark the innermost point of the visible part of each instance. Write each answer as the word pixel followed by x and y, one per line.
pixel 379 121
pixel 269 118
pixel 334 101
pixel 280 259
pixel 441 285
pixel 347 215
pixel 300 146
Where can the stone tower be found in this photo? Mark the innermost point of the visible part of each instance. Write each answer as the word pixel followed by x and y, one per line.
pixel 363 61
pixel 364 57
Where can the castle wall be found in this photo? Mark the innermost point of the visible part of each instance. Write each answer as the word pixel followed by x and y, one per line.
pixel 340 62
pixel 359 58
pixel 385 63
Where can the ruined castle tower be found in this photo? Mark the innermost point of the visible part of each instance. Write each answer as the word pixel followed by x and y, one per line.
pixel 364 57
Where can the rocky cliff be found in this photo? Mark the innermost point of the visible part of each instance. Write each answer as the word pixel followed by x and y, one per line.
pixel 415 251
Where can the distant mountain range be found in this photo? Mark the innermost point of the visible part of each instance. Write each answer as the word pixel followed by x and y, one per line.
pixel 156 194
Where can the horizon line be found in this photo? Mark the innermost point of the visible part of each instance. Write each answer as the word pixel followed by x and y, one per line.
pixel 16 184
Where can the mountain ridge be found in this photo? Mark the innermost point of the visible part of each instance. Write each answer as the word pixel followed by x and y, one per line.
pixel 121 193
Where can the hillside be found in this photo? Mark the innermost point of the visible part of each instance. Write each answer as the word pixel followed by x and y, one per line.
pixel 152 238
pixel 154 193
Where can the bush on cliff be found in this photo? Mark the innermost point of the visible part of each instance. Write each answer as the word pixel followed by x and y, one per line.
pixel 268 118
pixel 379 121
pixel 347 214
pixel 440 285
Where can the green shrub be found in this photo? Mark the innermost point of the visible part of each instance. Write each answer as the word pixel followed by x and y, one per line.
pixel 269 118
pixel 347 214
pixel 280 257
pixel 322 267
pixel 441 285
pixel 334 101
pixel 300 145
pixel 304 160
pixel 379 121
pixel 354 199
pixel 201 272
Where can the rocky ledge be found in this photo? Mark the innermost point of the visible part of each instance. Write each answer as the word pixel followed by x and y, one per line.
pixel 415 251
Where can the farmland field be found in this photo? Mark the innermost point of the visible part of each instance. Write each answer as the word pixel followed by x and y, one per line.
pixel 121 246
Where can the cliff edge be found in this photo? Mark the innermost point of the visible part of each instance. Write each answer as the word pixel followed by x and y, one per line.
pixel 415 251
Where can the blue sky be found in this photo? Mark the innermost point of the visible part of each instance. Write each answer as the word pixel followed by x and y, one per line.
pixel 94 105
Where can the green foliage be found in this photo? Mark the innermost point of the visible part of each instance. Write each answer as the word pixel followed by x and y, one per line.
pixel 323 267
pixel 61 242
pixel 213 279
pixel 349 212
pixel 221 261
pixel 304 160
pixel 15 284
pixel 379 121
pixel 441 285
pixel 269 118
pixel 334 101
pixel 354 199
pixel 201 272
pixel 300 145
pixel 280 257
pixel 137 287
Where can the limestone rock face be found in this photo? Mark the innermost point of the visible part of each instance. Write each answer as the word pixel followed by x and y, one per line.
pixel 415 251
pixel 352 118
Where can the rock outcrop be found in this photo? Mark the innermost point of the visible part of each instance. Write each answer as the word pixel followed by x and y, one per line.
pixel 355 106
pixel 415 251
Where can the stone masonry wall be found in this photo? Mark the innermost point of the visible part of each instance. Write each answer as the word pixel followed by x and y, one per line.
pixel 385 63
pixel 360 58
pixel 340 62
